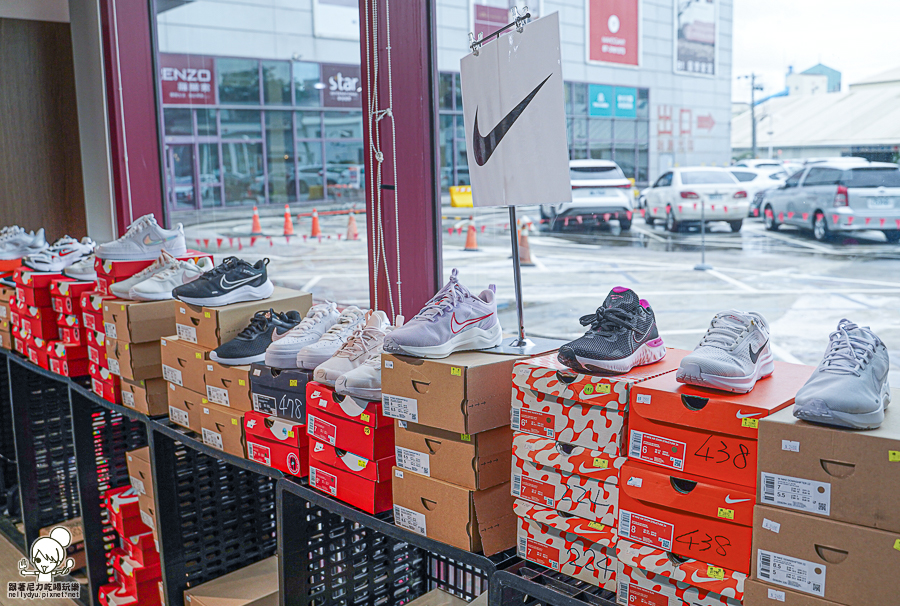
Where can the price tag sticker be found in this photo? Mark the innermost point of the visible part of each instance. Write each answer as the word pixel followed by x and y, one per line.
pixel 455 371
pixel 752 423
pixel 728 514
pixel 714 572
pixel 601 463
pixel 894 456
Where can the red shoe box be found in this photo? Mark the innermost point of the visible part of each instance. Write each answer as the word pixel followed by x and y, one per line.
pixel 105 384
pixel 71 335
pixel 690 516
pixel 142 549
pixel 96 347
pixel 707 432
pixel 357 481
pixel 121 270
pixel 345 434
pixel 114 594
pixel 277 443
pixel 66 287
pixel 92 309
pixel 63 319
pixel 29 278
pixel 19 343
pixel 324 398
pixel 41 322
pixel 38 355
pixel 138 580
pixel 124 511
pixel 68 360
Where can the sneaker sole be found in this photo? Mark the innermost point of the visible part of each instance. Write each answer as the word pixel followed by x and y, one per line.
pixel 158 296
pixel 146 255
pixel 692 374
pixel 473 338
pixel 236 361
pixel 648 353
pixel 238 295
pixel 817 411
pixel 369 394
pixel 282 359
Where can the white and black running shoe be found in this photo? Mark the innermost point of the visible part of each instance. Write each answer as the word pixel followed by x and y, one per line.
pixel 622 335
pixel 251 343
pixel 64 252
pixel 232 281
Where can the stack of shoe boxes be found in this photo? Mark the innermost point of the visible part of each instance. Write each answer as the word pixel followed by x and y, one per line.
pixel 33 313
pixel 140 474
pixel 7 294
pixel 826 530
pixel 689 485
pixel 453 447
pixel 568 451
pixel 69 355
pixel 136 563
pixel 203 395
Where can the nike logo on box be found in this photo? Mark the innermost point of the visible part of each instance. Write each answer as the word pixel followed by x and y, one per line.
pixel 754 356
pixel 741 415
pixel 729 500
pixel 483 147
pixel 696 579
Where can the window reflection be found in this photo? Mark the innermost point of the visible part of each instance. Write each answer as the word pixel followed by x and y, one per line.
pixel 177 122
pixel 242 164
pixel 276 82
pixel 238 81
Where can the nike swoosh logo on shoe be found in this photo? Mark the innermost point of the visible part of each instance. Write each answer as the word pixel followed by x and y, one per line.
pixel 456 326
pixel 754 356
pixel 728 499
pixel 148 241
pixel 483 147
pixel 226 285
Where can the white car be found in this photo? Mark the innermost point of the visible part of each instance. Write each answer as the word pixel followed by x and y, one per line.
pixel 767 164
pixel 757 180
pixel 592 206
pixel 597 173
pixel 684 195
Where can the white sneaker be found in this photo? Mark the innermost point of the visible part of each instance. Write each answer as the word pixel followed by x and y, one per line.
pixel 17 243
pixel 83 270
pixel 282 353
pixel 158 287
pixel 123 288
pixel 360 346
pixel 364 381
pixel 143 241
pixel 312 355
pixel 65 252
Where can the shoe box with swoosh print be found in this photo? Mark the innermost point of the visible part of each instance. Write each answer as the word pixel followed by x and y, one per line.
pixel 707 432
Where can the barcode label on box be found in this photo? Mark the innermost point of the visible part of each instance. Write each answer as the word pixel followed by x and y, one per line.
pixel 774 594
pixel 172 375
pixel 114 366
pixel 110 329
pixel 646 530
pixel 322 480
pixel 138 485
pixel 259 453
pixel 793 573
pixel 186 333
pixel 770 525
pixel 321 430
pixel 409 519
pixel 179 417
pixel 534 490
pixel 643 398
pixel 657 450
pixel 534 422
pixel 796 493
pixel 217 395
pixel 398 407
pixel 213 438
pixel 790 445
pixel 264 404
pixel 413 460
pixel 147 519
pixel 545 555
pixel 128 398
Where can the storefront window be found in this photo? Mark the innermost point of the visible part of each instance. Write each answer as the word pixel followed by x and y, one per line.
pixel 276 82
pixel 280 157
pixel 210 174
pixel 601 128
pixel 343 125
pixel 243 169
pixel 310 183
pixel 625 130
pixel 445 96
pixel 206 123
pixel 307 85
pixel 182 177
pixel 238 81
pixel 241 124
pixel 178 122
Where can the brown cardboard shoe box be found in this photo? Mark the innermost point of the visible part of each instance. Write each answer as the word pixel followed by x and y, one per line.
pixel 474 520
pixel 757 593
pixel 5 339
pixel 140 472
pixel 254 585
pixel 851 476
pixel 474 461
pixel 466 392
pixel 183 363
pixel 223 428
pixel 133 361
pixel 209 327
pixel 185 407
pixel 137 321
pixel 147 396
pixel 228 385
pixel 844 563
pixel 148 512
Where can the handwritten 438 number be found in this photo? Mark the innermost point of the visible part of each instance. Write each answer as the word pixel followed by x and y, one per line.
pixel 722 455
pixel 692 539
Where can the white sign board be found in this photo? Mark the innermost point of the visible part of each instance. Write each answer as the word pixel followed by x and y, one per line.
pixel 515 118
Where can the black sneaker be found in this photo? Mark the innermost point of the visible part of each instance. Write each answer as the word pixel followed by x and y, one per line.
pixel 251 343
pixel 232 281
pixel 622 335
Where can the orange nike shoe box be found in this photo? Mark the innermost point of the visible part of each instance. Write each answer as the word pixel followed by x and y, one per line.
pixel 571 479
pixel 556 402
pixel 322 397
pixel 654 576
pixel 40 321
pixel 355 480
pixel 707 432
pixel 690 516
pixel 277 443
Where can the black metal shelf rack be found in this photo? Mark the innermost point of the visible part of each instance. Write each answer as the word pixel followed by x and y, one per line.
pixel 216 512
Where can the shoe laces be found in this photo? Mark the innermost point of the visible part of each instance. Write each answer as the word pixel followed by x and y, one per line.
pixel 607 321
pixel 360 342
pixel 445 300
pixel 259 323
pixel 171 270
pixel 317 313
pixel 347 319
pixel 9 233
pixel 225 266
pixel 163 260
pixel 62 243
pixel 725 329
pixel 138 225
pixel 848 353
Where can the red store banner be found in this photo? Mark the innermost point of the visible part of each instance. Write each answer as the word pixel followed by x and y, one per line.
pixel 187 79
pixel 614 31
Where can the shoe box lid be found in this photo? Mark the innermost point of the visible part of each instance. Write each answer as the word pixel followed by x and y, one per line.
pixel 65 351
pixel 133 361
pixel 253 585
pixel 134 573
pixel 851 476
pixel 228 385
pixel 848 564
pixel 223 428
pixel 138 321
pixel 92 302
pixel 763 594
pixel 184 363
pixel 568 544
pixel 324 398
pixel 373 470
pixel 466 392
pixel 474 520
pixel 185 407
pixel 341 432
pixel 643 588
pixel 38 297
pixel 146 396
pixel 66 287
pixel 279 392
pixel 121 270
pixel 209 327
pixel 720 581
pixel 142 549
pixel 140 471
pixel 265 428
pixel 665 400
pixel 67 320
pixel 476 461
pixel 29 278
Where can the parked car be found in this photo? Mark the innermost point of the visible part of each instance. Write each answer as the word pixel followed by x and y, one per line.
pixel 760 163
pixel 592 206
pixel 594 174
pixel 682 195
pixel 755 181
pixel 836 196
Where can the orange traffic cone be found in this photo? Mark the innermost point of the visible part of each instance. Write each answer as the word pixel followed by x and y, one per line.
pixel 471 240
pixel 316 230
pixel 352 231
pixel 255 229
pixel 288 224
pixel 524 249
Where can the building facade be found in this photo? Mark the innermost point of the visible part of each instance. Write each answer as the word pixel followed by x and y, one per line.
pixel 262 105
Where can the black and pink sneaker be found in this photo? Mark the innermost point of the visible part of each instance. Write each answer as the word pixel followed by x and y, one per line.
pixel 622 335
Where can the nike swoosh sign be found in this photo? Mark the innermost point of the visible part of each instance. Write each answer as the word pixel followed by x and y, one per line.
pixel 741 415
pixel 226 285
pixel 456 325
pixel 148 241
pixel 728 499
pixel 754 356
pixel 483 147
pixel 696 579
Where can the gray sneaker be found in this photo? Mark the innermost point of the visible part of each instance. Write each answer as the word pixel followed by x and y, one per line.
pixel 453 320
pixel 850 387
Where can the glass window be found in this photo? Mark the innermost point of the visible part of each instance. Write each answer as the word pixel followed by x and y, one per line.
pixel 183 175
pixel 600 151
pixel 625 159
pixel 458 87
pixel 664 181
pixel 309 170
pixel 238 81
pixel 871 177
pixel 206 123
pixel 445 94
pixel 579 98
pixel 743 176
pixel 445 138
pixel 241 124
pixel 643 103
pixel 210 190
pixel 706 177
pixel 601 128
pixel 625 130
pixel 344 165
pixel 579 128
pixel 177 122
pixel 643 131
pixel 276 82
pixel 280 152
pixel 643 164
pixel 595 173
pixel 307 84
pixel 242 164
pixel 578 153
pixel 794 179
pixel 343 125
pixel 309 125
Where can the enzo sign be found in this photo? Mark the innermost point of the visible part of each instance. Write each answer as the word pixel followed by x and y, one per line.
pixel 187 79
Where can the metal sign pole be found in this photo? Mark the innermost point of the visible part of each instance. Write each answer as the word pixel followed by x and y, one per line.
pixel 703 266
pixel 517 277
